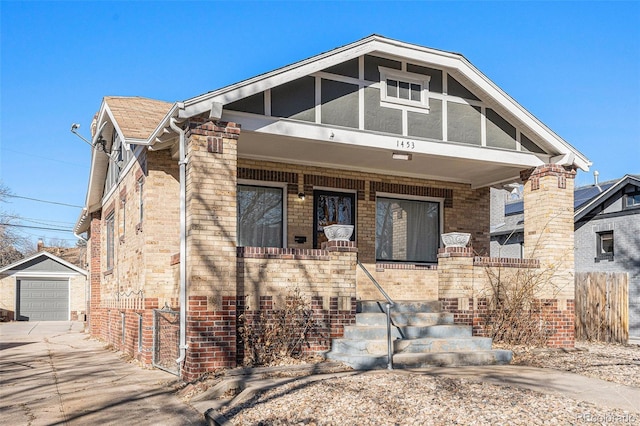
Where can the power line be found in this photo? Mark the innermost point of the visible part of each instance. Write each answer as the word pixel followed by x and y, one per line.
pixel 39 221
pixel 36 227
pixel 43 201
pixel 45 158
pixel 40 236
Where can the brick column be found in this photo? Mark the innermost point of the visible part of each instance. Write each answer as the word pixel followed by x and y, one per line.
pixel 456 283
pixel 95 273
pixel 548 237
pixel 211 246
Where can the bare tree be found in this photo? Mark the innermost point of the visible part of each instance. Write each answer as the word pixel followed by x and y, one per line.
pixel 13 246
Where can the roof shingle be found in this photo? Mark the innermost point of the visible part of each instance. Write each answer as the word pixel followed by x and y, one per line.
pixel 137 117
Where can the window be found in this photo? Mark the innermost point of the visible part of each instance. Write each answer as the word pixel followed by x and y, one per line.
pixel 407 230
pixel 260 216
pixel 139 332
pixel 140 199
pixel 404 88
pixel 123 217
pixel 110 222
pixel 632 199
pixel 604 246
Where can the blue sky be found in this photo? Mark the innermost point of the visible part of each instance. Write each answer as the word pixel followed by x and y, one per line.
pixel 574 65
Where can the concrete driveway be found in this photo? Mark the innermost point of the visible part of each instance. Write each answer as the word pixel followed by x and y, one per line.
pixel 51 373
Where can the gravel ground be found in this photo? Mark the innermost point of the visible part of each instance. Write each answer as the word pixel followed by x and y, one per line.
pixel 400 398
pixel 613 363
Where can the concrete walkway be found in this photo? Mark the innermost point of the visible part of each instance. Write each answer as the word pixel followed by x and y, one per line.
pixel 51 373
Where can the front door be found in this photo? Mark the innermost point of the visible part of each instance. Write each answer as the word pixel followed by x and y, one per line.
pixel 332 208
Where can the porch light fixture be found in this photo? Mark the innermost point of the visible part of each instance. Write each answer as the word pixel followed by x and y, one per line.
pixel 401 156
pixel 301 196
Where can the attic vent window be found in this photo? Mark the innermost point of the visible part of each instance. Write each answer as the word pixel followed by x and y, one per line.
pixel 399 89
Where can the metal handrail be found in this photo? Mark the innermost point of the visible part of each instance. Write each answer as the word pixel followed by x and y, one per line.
pixel 388 307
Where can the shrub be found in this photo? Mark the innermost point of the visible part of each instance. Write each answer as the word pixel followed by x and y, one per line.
pixel 271 336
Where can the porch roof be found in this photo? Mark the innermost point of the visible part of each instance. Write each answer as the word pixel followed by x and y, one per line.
pixel 290 141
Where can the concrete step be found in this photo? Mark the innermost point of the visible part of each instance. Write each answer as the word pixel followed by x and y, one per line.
pixel 452 359
pixel 399 306
pixel 420 360
pixel 404 318
pixel 406 332
pixel 428 345
pixel 424 345
pixel 359 346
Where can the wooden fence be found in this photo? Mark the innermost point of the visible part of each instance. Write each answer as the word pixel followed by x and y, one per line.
pixel 602 306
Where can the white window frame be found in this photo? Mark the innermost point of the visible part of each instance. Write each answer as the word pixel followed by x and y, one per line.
pixel 123 217
pixel 140 184
pixel 110 230
pixel 440 202
pixel 627 200
pixel 269 184
pixel 405 77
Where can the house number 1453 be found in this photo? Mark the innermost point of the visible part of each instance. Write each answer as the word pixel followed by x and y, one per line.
pixel 405 144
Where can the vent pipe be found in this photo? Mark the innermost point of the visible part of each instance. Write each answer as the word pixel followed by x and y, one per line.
pixel 595 177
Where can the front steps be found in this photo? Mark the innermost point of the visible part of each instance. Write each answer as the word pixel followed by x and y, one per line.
pixel 422 336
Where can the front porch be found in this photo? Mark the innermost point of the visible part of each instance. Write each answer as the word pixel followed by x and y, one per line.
pixel 245 264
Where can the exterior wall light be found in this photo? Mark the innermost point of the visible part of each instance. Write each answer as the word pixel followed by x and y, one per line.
pixel 401 156
pixel 301 196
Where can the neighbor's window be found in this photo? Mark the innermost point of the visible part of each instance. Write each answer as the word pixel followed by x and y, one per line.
pixel 260 216
pixel 604 245
pixel 399 87
pixel 632 199
pixel 110 222
pixel 407 230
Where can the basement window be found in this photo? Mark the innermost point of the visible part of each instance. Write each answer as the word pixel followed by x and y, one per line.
pixel 399 88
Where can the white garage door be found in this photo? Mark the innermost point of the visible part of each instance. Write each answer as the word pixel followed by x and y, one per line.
pixel 43 300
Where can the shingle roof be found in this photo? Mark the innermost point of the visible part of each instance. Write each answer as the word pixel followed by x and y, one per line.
pixel 137 117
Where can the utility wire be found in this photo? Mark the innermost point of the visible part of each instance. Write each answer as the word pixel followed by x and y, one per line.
pixel 40 221
pixel 43 201
pixel 36 227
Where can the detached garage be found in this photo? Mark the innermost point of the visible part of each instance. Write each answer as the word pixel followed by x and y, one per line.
pixel 43 287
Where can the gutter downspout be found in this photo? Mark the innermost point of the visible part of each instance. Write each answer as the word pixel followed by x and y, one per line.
pixel 87 284
pixel 183 246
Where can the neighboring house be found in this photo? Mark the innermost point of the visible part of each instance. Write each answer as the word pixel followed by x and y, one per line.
pixel 75 255
pixel 43 287
pixel 607 232
pixel 216 206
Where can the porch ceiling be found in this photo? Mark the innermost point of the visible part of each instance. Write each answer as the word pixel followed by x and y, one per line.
pixel 348 150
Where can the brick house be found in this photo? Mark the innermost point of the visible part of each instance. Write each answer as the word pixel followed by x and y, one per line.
pixel 216 206
pixel 606 229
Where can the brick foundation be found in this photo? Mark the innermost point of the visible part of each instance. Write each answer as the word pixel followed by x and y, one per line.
pixel 211 337
pixel 557 317
pixel 111 319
